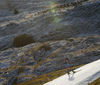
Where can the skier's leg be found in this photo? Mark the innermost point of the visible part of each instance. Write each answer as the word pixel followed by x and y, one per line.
pixel 71 69
pixel 67 70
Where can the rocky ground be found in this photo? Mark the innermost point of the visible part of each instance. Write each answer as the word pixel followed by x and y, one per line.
pixel 56 24
pixel 22 64
pixel 71 31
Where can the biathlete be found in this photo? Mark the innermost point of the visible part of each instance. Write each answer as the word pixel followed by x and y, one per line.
pixel 67 62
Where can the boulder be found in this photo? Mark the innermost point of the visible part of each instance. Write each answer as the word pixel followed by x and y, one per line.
pixel 16 11
pixel 22 40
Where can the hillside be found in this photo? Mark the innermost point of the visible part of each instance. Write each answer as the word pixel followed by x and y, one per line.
pixel 48 31
pixel 34 60
pixel 48 20
pixel 85 75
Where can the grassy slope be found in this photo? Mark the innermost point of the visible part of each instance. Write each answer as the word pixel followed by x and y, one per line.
pixel 46 77
pixel 50 76
pixel 95 82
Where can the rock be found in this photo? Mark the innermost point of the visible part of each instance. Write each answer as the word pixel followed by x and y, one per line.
pixel 22 40
pixel 45 57
pixel 12 24
pixel 23 79
pixel 16 11
pixel 45 47
pixel 92 40
pixel 6 42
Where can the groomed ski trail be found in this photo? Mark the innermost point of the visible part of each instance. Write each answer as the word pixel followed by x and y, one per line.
pixel 85 75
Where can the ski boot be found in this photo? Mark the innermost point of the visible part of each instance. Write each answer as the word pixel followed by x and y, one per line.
pixel 73 71
pixel 68 73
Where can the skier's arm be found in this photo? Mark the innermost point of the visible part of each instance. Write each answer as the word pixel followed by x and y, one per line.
pixel 68 61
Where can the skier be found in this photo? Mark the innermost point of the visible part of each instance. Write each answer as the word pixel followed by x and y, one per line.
pixel 67 62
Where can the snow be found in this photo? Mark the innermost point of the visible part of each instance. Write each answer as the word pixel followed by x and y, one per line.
pixel 83 76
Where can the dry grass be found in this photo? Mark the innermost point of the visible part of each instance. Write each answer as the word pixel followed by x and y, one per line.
pixel 50 76
pixel 46 47
pixel 56 52
pixel 95 82
pixel 46 77
pixel 82 51
pixel 76 53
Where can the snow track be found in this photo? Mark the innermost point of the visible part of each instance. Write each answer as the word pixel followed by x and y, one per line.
pixel 86 74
